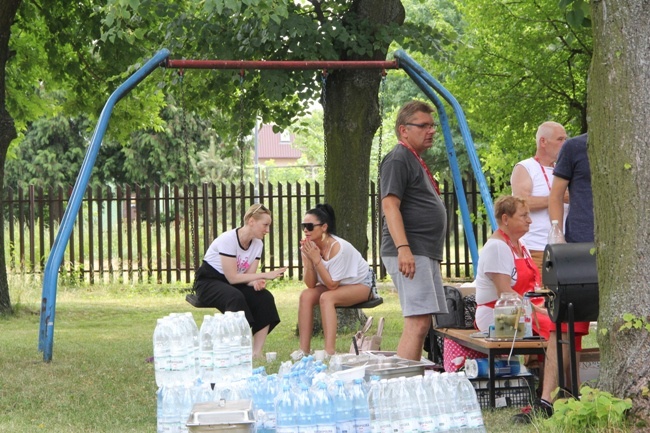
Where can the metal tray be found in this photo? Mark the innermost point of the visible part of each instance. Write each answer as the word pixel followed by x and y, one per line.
pixel 389 367
pixel 232 416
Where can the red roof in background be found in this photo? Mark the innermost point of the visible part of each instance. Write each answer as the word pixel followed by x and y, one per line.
pixel 271 145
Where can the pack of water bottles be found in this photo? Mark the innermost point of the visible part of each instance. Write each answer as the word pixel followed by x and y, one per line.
pixel 308 398
pixel 326 406
pixel 438 402
pixel 195 365
pixel 214 364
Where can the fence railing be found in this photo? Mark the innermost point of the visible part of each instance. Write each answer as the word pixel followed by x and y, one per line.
pixel 158 234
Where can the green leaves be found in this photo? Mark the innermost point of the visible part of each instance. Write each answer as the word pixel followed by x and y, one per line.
pixel 596 410
pixel 577 12
pixel 633 322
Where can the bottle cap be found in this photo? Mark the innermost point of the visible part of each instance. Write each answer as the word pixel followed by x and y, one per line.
pixel 554 221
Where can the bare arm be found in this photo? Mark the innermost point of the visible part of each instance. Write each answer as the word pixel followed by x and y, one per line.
pixel 556 200
pixel 229 265
pixel 315 267
pixel 405 260
pixel 501 282
pixel 522 186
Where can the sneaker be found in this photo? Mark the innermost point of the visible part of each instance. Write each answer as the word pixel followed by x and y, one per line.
pixel 297 355
pixel 541 408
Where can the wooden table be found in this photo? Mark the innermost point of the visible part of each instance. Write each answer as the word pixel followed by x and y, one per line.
pixel 491 349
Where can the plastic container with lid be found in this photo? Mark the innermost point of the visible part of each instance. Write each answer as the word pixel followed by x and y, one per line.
pixel 507 313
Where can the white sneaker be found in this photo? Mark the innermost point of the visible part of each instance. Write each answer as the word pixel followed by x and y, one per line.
pixel 297 355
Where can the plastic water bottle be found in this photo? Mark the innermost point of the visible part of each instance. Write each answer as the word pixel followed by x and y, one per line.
pixel 194 332
pixel 169 421
pixel 379 418
pixel 161 352
pixel 443 403
pixel 270 386
pixel 263 392
pixel 528 317
pixel 246 349
pixel 323 409
pixel 425 405
pixel 159 408
pixel 361 409
pixel 470 405
pixel 407 412
pixel 234 344
pixel 206 361
pixel 220 348
pixel 392 409
pixel 177 351
pixel 555 235
pixel 343 408
pixel 304 410
pixel 456 414
pixel 285 410
pixel 185 407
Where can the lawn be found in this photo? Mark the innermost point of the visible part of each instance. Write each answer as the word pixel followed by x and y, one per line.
pixel 99 379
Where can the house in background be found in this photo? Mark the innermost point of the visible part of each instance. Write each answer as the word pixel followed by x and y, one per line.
pixel 276 151
pixel 277 147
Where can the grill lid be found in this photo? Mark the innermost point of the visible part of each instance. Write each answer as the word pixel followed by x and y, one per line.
pixel 566 264
pixel 570 272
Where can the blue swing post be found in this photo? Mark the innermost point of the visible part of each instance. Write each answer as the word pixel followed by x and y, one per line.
pixel 51 274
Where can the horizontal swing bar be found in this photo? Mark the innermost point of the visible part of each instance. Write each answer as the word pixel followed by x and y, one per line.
pixel 280 64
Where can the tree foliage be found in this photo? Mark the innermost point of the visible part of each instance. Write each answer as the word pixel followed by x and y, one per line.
pixel 518 65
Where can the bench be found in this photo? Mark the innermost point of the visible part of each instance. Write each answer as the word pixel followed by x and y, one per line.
pixel 491 349
pixel 194 301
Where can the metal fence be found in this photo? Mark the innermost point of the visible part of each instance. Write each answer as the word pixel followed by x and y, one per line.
pixel 158 234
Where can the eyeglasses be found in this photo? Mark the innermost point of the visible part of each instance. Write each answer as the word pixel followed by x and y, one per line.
pixel 309 226
pixel 422 125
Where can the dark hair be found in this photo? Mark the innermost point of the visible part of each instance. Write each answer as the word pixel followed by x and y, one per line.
pixel 325 215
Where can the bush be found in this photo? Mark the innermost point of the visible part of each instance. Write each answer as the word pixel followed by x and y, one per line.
pixel 595 411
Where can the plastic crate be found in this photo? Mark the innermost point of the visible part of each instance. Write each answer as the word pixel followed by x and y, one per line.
pixel 510 391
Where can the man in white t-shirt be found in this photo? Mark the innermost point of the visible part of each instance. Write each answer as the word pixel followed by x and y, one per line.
pixel 532 179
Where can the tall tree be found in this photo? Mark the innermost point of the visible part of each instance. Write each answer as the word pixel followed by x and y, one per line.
pixel 8 10
pixel 619 97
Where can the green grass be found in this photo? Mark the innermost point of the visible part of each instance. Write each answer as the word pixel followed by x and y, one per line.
pixel 99 380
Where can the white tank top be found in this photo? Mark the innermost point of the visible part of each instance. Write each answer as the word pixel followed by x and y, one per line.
pixel 537 235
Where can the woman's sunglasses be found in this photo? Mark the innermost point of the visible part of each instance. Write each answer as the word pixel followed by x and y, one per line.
pixel 309 226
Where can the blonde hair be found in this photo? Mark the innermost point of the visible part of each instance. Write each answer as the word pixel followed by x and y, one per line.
pixel 507 205
pixel 256 211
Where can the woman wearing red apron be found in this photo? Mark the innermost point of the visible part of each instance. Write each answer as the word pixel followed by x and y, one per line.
pixel 505 266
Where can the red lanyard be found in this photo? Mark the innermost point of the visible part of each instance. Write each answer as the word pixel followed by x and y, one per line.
pixel 424 166
pixel 524 252
pixel 543 172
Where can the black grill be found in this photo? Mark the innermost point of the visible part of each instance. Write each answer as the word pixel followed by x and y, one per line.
pixel 570 272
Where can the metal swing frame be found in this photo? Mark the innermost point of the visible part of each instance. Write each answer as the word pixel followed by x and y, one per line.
pixel 431 88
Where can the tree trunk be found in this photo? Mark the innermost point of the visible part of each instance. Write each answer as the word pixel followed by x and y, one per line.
pixel 8 10
pixel 351 118
pixel 619 97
